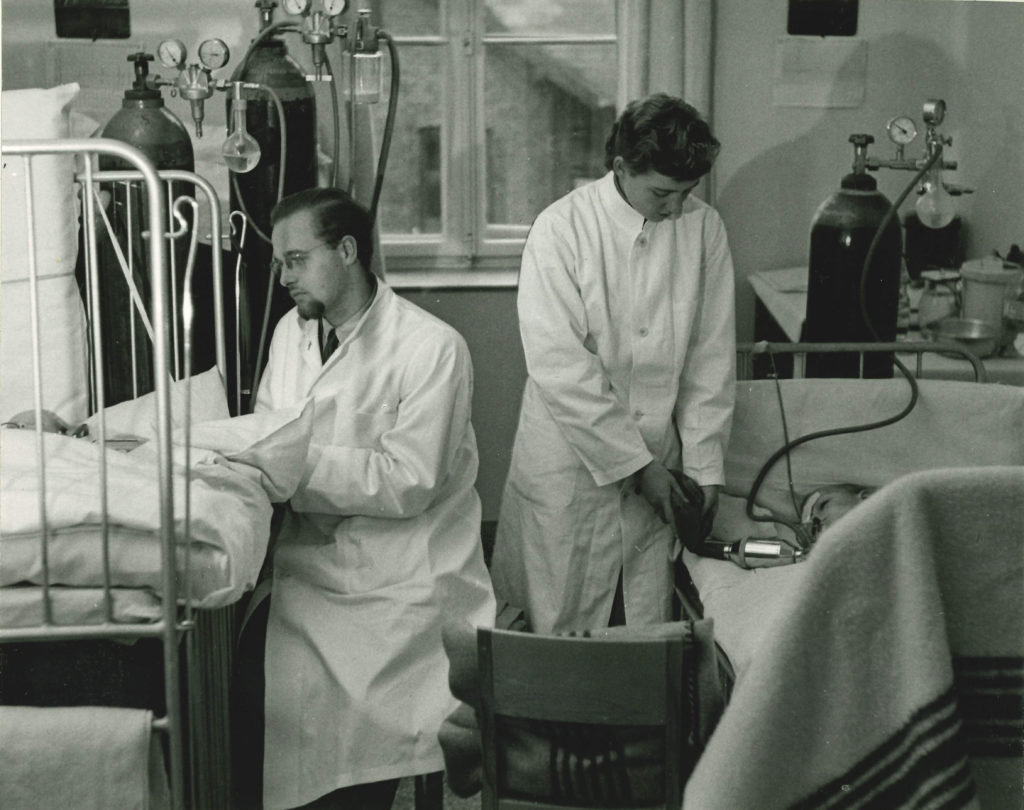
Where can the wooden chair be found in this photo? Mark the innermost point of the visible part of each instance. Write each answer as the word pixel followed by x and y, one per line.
pixel 582 722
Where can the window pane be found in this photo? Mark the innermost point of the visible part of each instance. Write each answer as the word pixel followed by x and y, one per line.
pixel 548 111
pixel 409 17
pixel 410 201
pixel 549 17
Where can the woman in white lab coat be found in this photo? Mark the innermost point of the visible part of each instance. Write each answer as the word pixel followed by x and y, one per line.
pixel 627 320
pixel 382 541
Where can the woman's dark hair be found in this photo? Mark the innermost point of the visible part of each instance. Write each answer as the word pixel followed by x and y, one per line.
pixel 336 215
pixel 664 134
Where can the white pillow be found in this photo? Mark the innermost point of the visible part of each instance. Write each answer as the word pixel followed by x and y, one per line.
pixel 954 424
pixel 31 115
pixel 136 418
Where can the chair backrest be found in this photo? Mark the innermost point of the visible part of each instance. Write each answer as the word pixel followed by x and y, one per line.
pixel 581 722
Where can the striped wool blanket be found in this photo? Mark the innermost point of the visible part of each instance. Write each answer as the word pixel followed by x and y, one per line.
pixel 893 676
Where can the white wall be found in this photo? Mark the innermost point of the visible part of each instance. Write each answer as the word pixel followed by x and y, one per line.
pixel 779 163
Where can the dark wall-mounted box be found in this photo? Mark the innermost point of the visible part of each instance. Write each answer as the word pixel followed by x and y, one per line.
pixel 822 18
pixel 92 19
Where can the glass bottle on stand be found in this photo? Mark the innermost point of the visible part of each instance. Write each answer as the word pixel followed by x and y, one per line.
pixel 939 299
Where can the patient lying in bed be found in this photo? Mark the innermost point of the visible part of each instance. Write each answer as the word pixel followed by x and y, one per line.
pixel 825 505
pixel 50 423
pixel 235 468
pixel 743 602
pixel 819 509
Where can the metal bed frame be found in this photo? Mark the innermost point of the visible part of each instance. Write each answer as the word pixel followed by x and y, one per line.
pixel 748 353
pixel 182 725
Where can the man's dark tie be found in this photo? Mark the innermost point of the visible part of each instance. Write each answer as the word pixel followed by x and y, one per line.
pixel 329 346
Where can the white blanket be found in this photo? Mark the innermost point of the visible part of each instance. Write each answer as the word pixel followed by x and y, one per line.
pixel 228 526
pixel 86 757
pixel 892 672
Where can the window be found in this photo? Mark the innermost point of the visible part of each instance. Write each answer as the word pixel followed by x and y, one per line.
pixel 429 171
pixel 503 107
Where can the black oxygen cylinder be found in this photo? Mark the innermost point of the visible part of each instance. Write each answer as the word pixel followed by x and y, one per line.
pixel 256 192
pixel 841 234
pixel 145 123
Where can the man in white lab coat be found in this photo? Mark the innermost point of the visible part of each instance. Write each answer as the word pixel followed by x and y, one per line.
pixel 381 543
pixel 627 320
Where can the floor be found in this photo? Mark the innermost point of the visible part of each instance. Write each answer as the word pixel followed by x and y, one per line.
pixel 405 798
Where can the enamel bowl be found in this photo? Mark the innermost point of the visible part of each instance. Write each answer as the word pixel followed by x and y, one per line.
pixel 978 337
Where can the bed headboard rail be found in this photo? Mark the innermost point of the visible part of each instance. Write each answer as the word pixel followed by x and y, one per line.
pixel 752 359
pixel 152 189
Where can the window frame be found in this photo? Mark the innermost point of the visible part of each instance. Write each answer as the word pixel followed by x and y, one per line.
pixel 469 252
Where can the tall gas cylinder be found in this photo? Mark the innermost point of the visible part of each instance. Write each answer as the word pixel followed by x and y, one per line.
pixel 256 192
pixel 145 123
pixel 842 231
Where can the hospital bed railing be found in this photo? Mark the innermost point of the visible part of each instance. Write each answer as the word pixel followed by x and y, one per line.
pixel 152 206
pixel 757 360
pixel 207 649
pixel 168 627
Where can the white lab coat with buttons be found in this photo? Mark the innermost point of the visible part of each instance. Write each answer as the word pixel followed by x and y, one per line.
pixel 628 331
pixel 380 546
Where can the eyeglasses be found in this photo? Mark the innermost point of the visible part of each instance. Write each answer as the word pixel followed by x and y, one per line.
pixel 295 260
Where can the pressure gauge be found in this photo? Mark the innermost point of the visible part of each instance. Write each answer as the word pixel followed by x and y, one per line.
pixel 934 111
pixel 296 7
pixel 335 7
pixel 902 130
pixel 172 53
pixel 214 53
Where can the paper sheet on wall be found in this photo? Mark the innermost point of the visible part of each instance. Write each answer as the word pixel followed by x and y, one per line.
pixel 819 72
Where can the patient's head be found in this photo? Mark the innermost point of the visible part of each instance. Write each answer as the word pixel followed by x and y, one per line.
pixel 825 505
pixel 50 423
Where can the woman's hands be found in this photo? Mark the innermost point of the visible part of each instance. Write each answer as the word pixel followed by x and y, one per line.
pixel 710 501
pixel 661 490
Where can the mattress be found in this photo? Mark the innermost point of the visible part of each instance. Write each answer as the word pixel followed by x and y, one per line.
pixel 22 606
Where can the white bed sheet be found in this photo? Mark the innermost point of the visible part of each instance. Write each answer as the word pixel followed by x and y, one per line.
pixel 742 603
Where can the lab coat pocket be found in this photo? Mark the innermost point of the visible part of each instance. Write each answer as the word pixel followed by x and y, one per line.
pixel 363 429
pixel 544 468
pixel 371 553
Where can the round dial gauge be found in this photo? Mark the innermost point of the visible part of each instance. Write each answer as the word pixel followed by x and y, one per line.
pixel 171 53
pixel 335 7
pixel 214 53
pixel 934 111
pixel 901 129
pixel 295 6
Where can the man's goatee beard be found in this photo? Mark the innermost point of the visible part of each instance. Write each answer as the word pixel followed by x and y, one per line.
pixel 311 310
